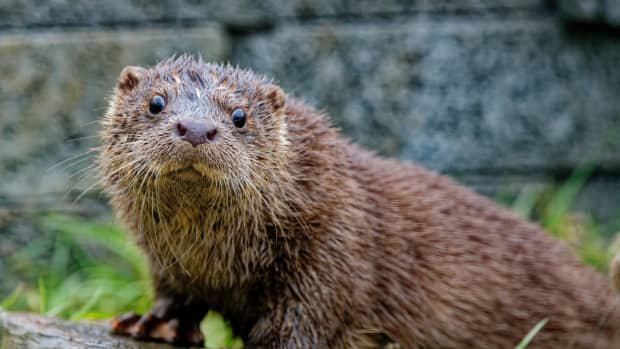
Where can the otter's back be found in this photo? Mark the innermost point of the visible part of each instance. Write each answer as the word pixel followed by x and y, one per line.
pixel 456 260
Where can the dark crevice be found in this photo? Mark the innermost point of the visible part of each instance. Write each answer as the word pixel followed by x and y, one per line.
pixel 167 23
pixel 600 29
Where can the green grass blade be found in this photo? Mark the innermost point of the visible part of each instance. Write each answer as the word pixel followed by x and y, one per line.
pixel 565 196
pixel 524 343
pixel 42 296
pixel 526 201
pixel 92 302
pixel 11 298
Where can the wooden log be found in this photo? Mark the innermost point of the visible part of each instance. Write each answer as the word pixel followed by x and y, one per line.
pixel 33 331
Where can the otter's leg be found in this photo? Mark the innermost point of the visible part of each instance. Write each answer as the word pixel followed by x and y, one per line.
pixel 299 325
pixel 171 320
pixel 286 326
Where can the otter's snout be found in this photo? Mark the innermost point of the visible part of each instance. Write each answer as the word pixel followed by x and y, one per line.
pixel 196 132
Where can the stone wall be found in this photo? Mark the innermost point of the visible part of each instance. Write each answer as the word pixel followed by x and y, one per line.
pixel 501 94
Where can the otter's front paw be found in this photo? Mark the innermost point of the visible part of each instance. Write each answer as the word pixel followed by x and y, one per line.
pixel 152 326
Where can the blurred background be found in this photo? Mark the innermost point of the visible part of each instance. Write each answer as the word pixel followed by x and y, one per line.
pixel 518 99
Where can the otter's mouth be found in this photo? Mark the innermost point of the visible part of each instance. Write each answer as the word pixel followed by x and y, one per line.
pixel 186 172
pixel 193 171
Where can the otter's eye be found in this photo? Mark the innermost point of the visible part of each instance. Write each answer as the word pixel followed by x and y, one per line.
pixel 157 104
pixel 238 117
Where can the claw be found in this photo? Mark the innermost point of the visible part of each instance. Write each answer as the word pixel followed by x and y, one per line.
pixel 151 327
pixel 144 325
pixel 122 323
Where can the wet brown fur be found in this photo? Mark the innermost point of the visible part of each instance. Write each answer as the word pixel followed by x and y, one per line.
pixel 303 240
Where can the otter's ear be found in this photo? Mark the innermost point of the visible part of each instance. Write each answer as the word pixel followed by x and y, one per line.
pixel 275 97
pixel 130 77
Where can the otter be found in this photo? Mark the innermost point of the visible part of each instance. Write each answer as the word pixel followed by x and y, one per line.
pixel 250 203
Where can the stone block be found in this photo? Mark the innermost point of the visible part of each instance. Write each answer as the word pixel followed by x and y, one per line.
pixel 455 95
pixel 244 13
pixel 580 10
pixel 612 12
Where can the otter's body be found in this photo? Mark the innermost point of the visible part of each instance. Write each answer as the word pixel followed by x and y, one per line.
pixel 303 240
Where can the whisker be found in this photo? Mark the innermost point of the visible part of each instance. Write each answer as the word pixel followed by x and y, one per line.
pixel 69 159
pixel 71 164
pixel 80 138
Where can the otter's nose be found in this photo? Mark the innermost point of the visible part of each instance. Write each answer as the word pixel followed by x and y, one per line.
pixel 196 132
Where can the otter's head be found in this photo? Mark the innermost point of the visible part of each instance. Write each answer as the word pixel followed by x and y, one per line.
pixel 187 121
